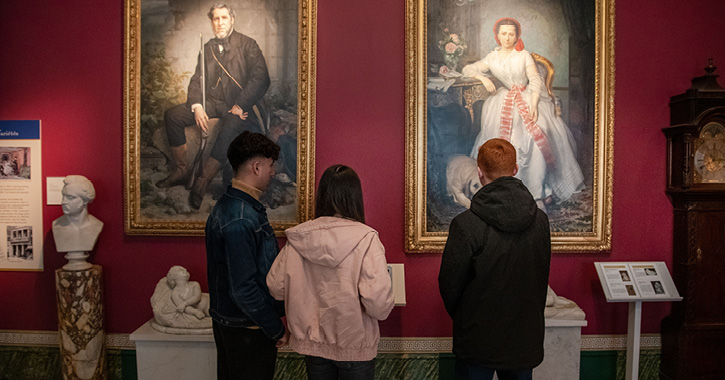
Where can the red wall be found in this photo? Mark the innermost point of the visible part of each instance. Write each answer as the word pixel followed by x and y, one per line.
pixel 62 62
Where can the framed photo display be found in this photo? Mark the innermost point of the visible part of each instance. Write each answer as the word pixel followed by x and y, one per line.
pixel 248 65
pixel 563 68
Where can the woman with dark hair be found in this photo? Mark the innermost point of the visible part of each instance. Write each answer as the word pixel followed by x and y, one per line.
pixel 332 275
pixel 521 112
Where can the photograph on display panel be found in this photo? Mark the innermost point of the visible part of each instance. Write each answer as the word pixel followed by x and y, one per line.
pixel 539 74
pixel 20 243
pixel 199 73
pixel 14 162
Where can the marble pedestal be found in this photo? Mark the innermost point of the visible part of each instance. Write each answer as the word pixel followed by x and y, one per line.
pixel 562 350
pixel 79 295
pixel 161 356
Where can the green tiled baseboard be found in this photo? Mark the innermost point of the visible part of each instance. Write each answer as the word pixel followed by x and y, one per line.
pixel 649 365
pixel 42 363
pixel 128 365
pixel 29 363
pixel 598 365
pixel 291 366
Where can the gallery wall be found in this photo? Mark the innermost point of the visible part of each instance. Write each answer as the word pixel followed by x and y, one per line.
pixel 62 62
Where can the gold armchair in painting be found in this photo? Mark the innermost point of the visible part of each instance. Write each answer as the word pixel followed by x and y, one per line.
pixel 546 70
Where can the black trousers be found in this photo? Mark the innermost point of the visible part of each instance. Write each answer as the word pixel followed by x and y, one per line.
pixel 325 369
pixel 244 353
pixel 179 117
pixel 470 371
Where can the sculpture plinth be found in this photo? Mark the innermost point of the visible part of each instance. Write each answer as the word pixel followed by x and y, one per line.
pixel 77 261
pixel 79 295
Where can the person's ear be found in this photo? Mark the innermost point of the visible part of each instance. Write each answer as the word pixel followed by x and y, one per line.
pixel 481 177
pixel 256 167
pixel 516 169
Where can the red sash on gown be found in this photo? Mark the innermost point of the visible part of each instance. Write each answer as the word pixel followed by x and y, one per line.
pixel 514 98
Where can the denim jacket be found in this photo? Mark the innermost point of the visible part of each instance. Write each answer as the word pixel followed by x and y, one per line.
pixel 240 249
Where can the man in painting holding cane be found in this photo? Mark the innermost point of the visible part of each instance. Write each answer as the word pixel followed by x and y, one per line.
pixel 232 77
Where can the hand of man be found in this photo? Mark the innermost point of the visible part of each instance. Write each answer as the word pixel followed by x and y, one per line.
pixel 236 110
pixel 202 119
pixel 282 341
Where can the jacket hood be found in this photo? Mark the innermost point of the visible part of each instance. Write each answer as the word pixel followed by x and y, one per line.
pixel 505 204
pixel 327 241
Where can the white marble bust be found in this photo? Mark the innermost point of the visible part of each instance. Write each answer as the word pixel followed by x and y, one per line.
pixel 76 230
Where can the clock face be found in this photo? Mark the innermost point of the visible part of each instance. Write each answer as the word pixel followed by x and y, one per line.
pixel 713 130
pixel 710 154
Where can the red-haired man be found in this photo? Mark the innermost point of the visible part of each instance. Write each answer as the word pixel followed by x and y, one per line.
pixel 494 273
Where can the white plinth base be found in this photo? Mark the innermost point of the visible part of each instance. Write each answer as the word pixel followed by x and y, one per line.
pixel 562 350
pixel 161 356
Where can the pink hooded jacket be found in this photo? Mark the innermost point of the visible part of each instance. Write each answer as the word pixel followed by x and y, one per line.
pixel 333 277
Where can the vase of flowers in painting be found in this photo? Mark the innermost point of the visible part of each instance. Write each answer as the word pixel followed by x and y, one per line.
pixel 452 47
pixel 451 61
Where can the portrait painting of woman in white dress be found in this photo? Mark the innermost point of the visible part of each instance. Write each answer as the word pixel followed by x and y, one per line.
pixel 524 71
pixel 521 111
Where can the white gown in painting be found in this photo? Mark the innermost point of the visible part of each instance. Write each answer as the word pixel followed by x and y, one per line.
pixel 545 148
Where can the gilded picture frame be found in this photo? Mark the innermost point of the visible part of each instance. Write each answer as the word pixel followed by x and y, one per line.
pixel 444 111
pixel 161 52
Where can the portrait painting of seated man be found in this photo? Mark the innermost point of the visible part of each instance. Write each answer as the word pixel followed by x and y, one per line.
pixel 210 71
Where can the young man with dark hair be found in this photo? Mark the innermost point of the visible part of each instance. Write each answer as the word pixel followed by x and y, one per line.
pixel 240 249
pixel 494 273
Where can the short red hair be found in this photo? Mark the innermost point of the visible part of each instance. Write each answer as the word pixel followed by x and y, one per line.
pixel 497 158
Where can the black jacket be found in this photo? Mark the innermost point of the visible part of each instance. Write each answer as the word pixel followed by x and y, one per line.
pixel 494 276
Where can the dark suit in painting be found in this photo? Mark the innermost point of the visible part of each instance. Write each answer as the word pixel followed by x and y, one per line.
pixel 244 83
pixel 245 62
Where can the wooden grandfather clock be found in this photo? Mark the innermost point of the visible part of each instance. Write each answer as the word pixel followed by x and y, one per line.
pixel 693 335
